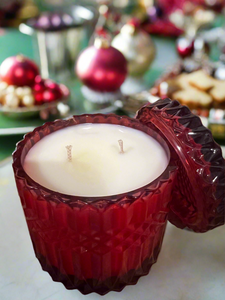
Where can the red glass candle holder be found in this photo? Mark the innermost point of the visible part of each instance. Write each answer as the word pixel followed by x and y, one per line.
pixel 95 244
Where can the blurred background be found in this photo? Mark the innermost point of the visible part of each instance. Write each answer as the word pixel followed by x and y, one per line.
pixel 110 56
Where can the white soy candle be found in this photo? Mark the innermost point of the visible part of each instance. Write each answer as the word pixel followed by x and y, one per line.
pixel 95 160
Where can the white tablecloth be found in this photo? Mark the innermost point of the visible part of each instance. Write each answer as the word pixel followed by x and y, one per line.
pixel 190 266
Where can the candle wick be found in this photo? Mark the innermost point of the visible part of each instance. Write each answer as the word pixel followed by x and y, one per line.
pixel 121 146
pixel 69 152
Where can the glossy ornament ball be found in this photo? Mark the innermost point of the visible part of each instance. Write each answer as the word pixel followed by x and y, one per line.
pixel 185 47
pixel 101 67
pixel 137 47
pixel 11 100
pixel 54 88
pixel 28 100
pixel 49 96
pixel 39 87
pixel 39 99
pixel 19 71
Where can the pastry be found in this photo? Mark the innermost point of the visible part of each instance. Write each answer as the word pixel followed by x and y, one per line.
pixel 201 80
pixel 218 92
pixel 193 98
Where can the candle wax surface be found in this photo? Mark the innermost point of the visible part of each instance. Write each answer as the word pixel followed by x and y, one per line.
pixel 97 167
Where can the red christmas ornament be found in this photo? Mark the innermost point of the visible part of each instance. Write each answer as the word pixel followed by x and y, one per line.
pixel 102 67
pixel 46 90
pixel 49 96
pixel 53 87
pixel 39 87
pixel 185 47
pixel 18 70
pixel 39 99
pixel 39 79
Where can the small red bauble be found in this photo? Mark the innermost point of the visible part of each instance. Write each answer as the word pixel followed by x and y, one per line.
pixel 18 70
pixel 102 67
pixel 49 96
pixel 39 79
pixel 51 84
pixel 185 47
pixel 54 87
pixel 46 90
pixel 39 99
pixel 39 87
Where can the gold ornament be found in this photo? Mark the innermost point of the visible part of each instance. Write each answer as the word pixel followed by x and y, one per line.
pixel 137 47
pixel 19 92
pixel 27 100
pixel 3 86
pixel 140 12
pixel 22 91
pixel 27 90
pixel 10 89
pixel 11 100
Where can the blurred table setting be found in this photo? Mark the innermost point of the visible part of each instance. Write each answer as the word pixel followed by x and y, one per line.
pixel 155 38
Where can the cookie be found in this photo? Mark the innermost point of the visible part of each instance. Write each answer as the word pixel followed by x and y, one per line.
pixel 201 80
pixel 218 91
pixel 182 81
pixel 193 98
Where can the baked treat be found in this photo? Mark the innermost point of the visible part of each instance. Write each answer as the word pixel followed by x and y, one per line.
pixel 182 81
pixel 193 98
pixel 201 80
pixel 198 90
pixel 218 92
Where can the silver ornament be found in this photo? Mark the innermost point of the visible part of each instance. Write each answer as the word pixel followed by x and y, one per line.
pixel 28 100
pixel 137 47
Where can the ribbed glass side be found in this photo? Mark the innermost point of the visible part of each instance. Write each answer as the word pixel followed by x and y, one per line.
pixel 94 244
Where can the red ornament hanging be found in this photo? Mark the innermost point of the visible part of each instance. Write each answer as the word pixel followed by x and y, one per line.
pixel 19 71
pixel 185 46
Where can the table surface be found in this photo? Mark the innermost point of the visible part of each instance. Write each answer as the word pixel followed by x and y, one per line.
pixel 14 42
pixel 190 266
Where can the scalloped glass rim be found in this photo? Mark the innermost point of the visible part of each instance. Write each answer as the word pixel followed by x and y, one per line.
pixel 19 155
pixel 37 108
